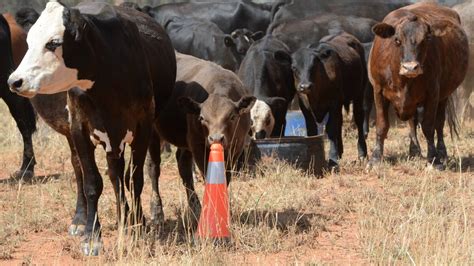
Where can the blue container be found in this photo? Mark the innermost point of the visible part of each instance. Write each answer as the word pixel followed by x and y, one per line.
pixel 295 124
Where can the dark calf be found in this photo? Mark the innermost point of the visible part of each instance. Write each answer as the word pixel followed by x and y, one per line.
pixel 266 71
pixel 328 76
pixel 209 105
pixel 242 39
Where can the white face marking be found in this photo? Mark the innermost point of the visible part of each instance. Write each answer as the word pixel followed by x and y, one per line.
pixel 262 118
pixel 41 70
pixel 246 38
pixel 127 139
pixel 98 137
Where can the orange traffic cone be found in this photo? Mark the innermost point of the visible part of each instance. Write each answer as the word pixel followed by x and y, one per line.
pixel 214 219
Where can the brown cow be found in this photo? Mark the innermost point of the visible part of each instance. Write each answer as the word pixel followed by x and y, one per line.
pixel 209 104
pixel 418 59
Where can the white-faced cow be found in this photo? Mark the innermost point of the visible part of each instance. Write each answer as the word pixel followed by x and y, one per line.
pixel 419 57
pixel 118 68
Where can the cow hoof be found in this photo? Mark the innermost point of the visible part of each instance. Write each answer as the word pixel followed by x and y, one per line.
pixel 372 164
pixel 439 167
pixel 414 152
pixel 76 229
pixel 91 247
pixel 333 166
pixel 23 175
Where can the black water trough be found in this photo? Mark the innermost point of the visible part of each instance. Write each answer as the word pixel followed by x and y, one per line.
pixel 306 153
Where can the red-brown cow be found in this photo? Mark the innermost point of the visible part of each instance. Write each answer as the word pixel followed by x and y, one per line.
pixel 419 57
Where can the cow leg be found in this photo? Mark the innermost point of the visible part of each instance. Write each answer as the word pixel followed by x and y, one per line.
pixel 78 224
pixel 382 126
pixel 139 147
pixel 116 167
pixel 428 127
pixel 334 132
pixel 359 116
pixel 22 111
pixel 185 166
pixel 442 154
pixel 310 119
pixel 415 149
pixel 368 102
pixel 92 242
pixel 154 171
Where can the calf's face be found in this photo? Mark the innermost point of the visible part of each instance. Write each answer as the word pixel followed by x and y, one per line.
pixel 43 69
pixel 220 117
pixel 242 39
pixel 411 37
pixel 261 115
pixel 314 69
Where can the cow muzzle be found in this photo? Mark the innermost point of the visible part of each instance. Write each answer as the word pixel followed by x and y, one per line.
pixel 216 138
pixel 304 87
pixel 261 134
pixel 17 85
pixel 410 69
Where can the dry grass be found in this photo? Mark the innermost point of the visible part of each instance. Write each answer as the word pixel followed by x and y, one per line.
pixel 401 213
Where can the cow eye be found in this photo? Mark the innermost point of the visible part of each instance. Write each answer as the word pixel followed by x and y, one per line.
pixel 233 117
pixel 53 44
pixel 398 42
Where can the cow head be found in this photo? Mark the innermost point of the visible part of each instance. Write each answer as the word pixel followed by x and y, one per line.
pixel 43 69
pixel 315 66
pixel 219 116
pixel 242 39
pixel 411 37
pixel 262 118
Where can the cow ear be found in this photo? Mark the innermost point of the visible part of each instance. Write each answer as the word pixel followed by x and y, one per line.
pixel 438 29
pixel 228 41
pixel 245 104
pixel 383 30
pixel 282 57
pixel 257 35
pixel 78 24
pixel 189 105
pixel 330 68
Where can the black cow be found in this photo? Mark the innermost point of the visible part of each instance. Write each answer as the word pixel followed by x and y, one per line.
pixel 229 16
pixel 118 68
pixel 266 71
pixel 374 9
pixel 299 33
pixel 328 76
pixel 241 40
pixel 20 108
pixel 203 39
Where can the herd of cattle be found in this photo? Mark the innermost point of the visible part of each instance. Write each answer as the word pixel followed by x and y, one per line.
pixel 109 75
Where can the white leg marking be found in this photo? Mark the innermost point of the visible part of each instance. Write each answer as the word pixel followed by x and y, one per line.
pixel 127 139
pixel 102 137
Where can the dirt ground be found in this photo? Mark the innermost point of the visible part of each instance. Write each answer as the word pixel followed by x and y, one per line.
pixel 399 213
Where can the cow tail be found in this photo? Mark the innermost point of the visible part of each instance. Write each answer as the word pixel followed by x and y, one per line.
pixel 453 121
